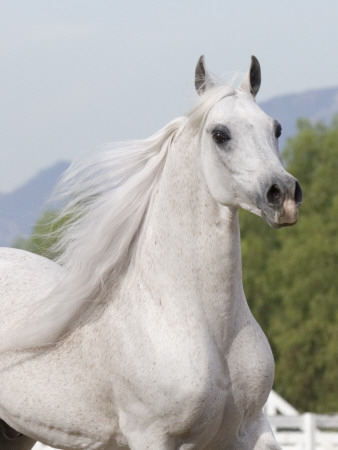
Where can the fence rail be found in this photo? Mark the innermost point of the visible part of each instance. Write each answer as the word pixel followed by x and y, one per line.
pixel 306 432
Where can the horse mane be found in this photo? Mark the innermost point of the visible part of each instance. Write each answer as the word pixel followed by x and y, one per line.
pixel 107 195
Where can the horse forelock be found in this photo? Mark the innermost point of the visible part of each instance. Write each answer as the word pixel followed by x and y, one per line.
pixel 207 100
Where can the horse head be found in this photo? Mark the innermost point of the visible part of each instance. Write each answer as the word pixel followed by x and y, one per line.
pixel 239 152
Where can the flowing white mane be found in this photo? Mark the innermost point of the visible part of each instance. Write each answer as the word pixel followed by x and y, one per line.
pixel 107 196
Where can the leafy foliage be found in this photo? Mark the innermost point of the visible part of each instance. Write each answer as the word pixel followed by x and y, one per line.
pixel 290 275
pixel 45 235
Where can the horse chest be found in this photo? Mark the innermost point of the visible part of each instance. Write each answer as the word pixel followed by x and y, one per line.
pixel 251 367
pixel 181 375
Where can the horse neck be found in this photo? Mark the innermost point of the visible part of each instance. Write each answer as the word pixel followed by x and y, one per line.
pixel 191 244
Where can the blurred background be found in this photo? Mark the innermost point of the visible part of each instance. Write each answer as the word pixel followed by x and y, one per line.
pixel 77 74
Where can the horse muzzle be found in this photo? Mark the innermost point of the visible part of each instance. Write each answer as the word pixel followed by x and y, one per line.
pixel 279 205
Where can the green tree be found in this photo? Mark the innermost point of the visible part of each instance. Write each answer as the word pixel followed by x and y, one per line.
pixel 291 280
pixel 44 236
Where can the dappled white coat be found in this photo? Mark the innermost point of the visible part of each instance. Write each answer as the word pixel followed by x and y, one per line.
pixel 168 355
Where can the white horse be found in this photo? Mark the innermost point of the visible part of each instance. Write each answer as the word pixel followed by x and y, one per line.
pixel 141 337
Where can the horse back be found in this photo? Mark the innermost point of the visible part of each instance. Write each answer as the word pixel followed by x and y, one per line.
pixel 24 279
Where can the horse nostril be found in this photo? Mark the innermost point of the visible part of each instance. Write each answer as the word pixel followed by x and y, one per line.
pixel 298 194
pixel 274 194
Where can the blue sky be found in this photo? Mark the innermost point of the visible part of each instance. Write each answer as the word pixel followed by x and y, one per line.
pixel 76 74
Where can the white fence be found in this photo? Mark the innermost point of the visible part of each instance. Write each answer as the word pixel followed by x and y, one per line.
pixel 295 431
pixel 306 432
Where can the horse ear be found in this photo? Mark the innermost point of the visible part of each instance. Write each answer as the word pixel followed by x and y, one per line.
pixel 252 82
pixel 203 80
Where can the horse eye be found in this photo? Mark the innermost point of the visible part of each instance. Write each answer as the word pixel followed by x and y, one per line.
pixel 220 137
pixel 278 130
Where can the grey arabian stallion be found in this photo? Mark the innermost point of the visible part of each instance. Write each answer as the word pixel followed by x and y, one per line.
pixel 139 336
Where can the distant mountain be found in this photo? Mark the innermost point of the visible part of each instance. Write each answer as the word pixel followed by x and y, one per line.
pixel 315 105
pixel 20 209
